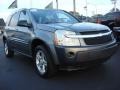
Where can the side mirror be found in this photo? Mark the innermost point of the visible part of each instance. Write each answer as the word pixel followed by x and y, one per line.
pixel 24 23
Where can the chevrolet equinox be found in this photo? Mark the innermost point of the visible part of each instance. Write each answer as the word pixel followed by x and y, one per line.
pixel 57 40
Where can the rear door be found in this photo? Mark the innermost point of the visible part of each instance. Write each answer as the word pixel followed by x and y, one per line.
pixel 11 29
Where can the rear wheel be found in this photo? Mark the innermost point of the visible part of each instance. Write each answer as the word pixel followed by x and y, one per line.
pixel 8 51
pixel 43 62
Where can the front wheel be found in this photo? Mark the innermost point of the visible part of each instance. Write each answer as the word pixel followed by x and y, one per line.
pixel 8 51
pixel 43 62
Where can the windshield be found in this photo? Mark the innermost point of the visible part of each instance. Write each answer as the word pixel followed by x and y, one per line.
pixel 52 16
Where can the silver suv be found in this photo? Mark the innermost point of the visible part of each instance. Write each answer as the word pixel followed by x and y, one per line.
pixel 57 40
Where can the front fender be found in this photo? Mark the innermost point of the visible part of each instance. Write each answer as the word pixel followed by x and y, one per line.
pixel 48 38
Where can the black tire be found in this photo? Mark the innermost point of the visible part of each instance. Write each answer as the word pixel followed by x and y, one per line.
pixel 49 66
pixel 8 52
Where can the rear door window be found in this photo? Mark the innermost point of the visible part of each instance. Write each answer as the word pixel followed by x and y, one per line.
pixel 14 20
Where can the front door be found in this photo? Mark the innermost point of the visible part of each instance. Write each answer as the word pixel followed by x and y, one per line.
pixel 24 34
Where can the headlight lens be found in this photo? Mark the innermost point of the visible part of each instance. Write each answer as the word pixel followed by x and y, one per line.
pixel 62 39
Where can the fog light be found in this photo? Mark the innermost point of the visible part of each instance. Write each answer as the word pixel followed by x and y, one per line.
pixel 70 54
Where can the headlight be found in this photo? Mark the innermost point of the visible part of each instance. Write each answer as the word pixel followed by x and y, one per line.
pixel 62 39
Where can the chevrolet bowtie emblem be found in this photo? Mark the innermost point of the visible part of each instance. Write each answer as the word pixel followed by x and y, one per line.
pixel 100 35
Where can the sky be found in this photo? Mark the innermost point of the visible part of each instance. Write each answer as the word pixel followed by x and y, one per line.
pixel 94 6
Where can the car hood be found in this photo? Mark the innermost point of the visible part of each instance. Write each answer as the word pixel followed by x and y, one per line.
pixel 78 27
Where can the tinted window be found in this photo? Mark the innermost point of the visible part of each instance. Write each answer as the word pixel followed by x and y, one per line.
pixel 63 17
pixel 24 16
pixel 52 16
pixel 14 20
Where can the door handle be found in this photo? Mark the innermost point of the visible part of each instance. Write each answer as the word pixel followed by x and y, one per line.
pixel 13 35
pixel 8 28
pixel 16 29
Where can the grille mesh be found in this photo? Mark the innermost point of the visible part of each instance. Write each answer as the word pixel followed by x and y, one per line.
pixel 97 40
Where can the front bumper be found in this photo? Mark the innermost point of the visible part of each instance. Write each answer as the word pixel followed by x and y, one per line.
pixel 81 56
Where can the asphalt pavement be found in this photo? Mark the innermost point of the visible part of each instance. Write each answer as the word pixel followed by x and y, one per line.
pixel 18 73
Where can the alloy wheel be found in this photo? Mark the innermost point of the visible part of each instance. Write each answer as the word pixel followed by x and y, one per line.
pixel 41 62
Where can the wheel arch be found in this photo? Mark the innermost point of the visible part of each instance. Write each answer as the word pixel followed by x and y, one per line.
pixel 36 42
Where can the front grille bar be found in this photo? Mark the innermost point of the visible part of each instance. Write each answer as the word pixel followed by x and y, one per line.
pixel 89 36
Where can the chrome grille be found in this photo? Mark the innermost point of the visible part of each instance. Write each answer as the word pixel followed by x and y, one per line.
pixel 97 40
pixel 93 32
